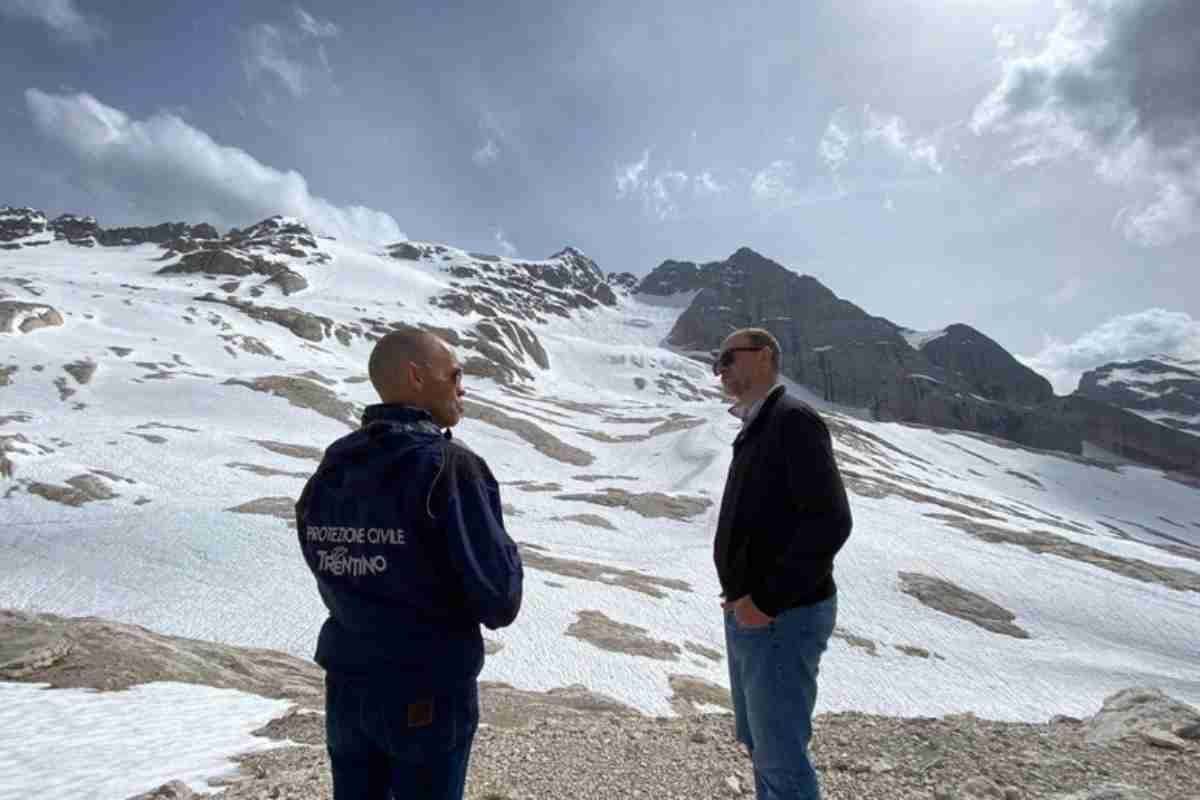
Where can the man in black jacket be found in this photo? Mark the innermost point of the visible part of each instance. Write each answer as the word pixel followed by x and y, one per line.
pixel 401 526
pixel 784 516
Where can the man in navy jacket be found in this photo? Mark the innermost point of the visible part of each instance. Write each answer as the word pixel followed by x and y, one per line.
pixel 784 515
pixel 402 527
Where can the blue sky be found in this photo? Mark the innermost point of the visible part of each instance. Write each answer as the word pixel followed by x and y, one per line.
pixel 1029 168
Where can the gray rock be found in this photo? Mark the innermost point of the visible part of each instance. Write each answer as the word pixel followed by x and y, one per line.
pixel 20 223
pixel 87 652
pixel 18 317
pixel 1164 389
pixel 1129 435
pixel 1108 791
pixel 289 282
pixel 76 229
pixel 175 790
pixel 944 596
pixel 210 262
pixel 405 251
pixel 1129 712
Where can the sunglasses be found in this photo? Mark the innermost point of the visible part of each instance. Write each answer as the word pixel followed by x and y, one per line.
pixel 726 358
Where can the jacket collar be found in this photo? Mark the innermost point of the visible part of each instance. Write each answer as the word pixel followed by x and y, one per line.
pixel 764 408
pixel 402 417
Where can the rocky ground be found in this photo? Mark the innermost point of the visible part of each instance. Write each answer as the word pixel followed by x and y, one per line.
pixel 606 754
pixel 572 743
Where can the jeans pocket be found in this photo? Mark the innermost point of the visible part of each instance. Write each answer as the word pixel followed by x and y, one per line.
pixel 426 728
pixel 418 729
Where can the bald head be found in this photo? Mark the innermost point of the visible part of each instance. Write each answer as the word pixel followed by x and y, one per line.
pixel 390 360
pixel 414 368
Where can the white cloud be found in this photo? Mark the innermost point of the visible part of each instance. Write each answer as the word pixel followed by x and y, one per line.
pixel 284 53
pixel 316 28
pixel 61 16
pixel 1114 84
pixel 266 52
pixel 1126 338
pixel 163 164
pixel 494 136
pixel 705 185
pixel 834 145
pixel 888 204
pixel 486 154
pixel 890 131
pixel 873 149
pixel 629 176
pixel 1006 36
pixel 774 185
pixel 662 191
pixel 504 244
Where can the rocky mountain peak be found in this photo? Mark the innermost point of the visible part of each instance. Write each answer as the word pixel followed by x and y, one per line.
pixel 849 357
pixel 987 368
pixel 576 261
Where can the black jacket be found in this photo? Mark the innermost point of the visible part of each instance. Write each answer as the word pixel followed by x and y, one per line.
pixel 784 514
pixel 402 528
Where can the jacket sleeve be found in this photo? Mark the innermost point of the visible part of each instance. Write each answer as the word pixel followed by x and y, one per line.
pixel 820 522
pixel 482 554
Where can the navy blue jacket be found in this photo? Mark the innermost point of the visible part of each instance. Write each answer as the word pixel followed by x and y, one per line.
pixel 784 514
pixel 402 528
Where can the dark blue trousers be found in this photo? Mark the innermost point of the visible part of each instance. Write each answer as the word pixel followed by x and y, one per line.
pixel 387 746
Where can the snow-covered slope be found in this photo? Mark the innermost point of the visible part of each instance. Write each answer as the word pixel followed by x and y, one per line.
pixel 154 441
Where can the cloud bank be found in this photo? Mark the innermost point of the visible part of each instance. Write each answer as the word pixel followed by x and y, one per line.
pixel 1115 84
pixel 60 16
pixel 1127 338
pixel 164 165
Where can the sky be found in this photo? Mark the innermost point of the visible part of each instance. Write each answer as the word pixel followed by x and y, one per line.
pixel 1029 168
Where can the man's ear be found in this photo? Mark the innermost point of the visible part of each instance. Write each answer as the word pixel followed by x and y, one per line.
pixel 414 375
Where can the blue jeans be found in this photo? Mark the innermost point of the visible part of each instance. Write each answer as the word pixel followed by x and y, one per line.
pixel 773 680
pixel 383 745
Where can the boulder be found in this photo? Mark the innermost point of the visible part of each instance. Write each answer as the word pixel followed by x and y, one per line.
pixel 210 262
pixel 18 317
pixel 1134 711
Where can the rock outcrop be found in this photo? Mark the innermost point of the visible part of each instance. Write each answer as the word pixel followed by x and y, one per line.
pixel 17 317
pixel 1128 435
pixel 1162 389
pixel 23 227
pixel 88 652
pixel 509 297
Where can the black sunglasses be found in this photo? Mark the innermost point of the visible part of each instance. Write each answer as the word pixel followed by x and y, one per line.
pixel 726 358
